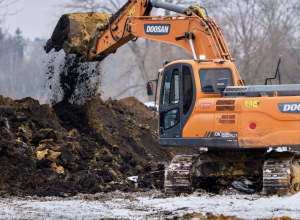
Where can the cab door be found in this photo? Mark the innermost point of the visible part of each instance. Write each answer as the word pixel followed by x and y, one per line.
pixel 170 103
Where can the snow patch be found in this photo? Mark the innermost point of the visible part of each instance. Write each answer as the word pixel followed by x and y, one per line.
pixel 151 205
pixel 133 178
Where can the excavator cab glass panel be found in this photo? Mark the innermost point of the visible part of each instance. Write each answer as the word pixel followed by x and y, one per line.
pixel 187 89
pixel 170 93
pixel 171 118
pixel 170 108
pixel 209 79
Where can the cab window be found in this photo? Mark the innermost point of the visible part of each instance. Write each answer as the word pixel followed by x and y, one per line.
pixel 171 118
pixel 187 89
pixel 209 79
pixel 170 90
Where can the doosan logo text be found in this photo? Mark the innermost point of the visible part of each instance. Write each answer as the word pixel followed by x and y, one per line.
pixel 293 107
pixel 289 107
pixel 157 29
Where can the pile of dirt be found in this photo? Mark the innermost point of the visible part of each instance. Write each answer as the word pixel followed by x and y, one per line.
pixel 66 149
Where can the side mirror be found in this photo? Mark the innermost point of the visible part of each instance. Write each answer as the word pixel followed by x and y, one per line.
pixel 149 88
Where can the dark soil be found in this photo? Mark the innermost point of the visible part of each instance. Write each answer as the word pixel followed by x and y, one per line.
pixel 66 149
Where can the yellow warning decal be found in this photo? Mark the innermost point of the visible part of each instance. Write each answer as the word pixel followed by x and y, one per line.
pixel 248 104
pixel 256 104
pixel 132 11
pixel 252 104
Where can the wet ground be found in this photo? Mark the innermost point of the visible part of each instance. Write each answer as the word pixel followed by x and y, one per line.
pixel 152 205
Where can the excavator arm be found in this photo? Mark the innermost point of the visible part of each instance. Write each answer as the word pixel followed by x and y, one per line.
pixel 182 31
pixel 95 35
pixel 192 31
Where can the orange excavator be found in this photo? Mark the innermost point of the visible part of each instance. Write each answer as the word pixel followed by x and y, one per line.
pixel 203 102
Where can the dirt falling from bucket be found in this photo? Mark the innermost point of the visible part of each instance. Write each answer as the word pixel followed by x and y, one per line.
pixel 71 80
pixel 79 81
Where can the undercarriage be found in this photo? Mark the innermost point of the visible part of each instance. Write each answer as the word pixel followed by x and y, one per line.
pixel 249 171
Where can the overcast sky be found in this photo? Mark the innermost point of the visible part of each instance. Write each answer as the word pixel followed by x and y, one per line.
pixel 36 18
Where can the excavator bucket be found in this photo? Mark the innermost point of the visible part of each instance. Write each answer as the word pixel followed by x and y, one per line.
pixel 75 33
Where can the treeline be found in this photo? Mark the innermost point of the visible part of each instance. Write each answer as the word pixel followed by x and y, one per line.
pixel 20 65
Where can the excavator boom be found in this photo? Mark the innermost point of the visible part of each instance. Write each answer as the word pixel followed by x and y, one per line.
pixel 177 30
pixel 94 36
pixel 193 31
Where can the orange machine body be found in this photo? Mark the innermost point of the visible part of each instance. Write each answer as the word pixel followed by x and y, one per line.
pixel 242 122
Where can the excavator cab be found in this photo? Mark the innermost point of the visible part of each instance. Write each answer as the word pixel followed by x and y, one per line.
pixel 177 98
pixel 183 83
pixel 201 104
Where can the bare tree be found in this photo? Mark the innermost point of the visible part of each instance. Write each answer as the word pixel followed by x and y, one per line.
pixel 4 11
pixel 111 6
pixel 282 26
pixel 6 45
pixel 257 31
pixel 243 34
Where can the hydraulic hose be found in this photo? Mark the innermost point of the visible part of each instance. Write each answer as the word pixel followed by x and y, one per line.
pixel 110 30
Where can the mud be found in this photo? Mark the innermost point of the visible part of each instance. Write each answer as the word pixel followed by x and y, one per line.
pixel 66 149
pixel 210 216
pixel 74 33
pixel 207 216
